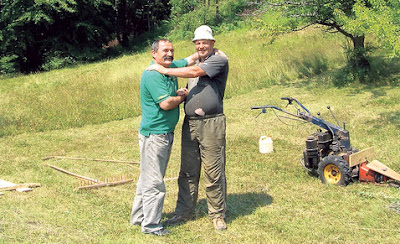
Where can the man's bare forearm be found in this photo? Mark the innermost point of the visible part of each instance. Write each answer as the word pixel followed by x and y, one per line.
pixel 171 102
pixel 185 72
pixel 192 59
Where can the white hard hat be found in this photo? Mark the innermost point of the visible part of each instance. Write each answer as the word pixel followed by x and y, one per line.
pixel 203 33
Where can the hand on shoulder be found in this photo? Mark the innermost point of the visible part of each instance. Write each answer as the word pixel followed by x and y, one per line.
pixel 220 53
pixel 157 67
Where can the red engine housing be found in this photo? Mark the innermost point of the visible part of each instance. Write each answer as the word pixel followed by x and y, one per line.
pixel 368 175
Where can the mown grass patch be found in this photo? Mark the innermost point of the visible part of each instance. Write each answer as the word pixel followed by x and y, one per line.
pixel 271 198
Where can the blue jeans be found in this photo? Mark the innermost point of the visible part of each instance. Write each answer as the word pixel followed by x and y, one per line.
pixel 155 151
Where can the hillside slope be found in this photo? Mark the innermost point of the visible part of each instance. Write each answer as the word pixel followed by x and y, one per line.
pixel 107 91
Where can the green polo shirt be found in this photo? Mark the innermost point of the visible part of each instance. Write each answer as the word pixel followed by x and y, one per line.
pixel 155 88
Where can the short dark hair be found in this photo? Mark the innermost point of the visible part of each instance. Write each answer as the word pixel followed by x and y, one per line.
pixel 156 44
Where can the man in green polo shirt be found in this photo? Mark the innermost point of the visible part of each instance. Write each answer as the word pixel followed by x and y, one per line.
pixel 159 100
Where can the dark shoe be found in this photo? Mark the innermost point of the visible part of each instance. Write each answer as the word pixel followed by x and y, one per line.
pixel 177 219
pixel 219 223
pixel 160 232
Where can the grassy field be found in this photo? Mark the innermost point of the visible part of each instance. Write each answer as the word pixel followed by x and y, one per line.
pixel 271 198
pixel 107 91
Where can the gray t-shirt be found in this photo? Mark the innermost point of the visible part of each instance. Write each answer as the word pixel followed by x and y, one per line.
pixel 207 92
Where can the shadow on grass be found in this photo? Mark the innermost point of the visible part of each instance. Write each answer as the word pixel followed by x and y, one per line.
pixel 383 72
pixel 237 205
pixel 246 203
pixel 387 118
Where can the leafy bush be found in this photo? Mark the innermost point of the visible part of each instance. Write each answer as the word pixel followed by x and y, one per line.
pixel 186 16
pixel 8 65
pixel 58 63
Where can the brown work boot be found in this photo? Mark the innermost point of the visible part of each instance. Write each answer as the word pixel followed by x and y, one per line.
pixel 219 223
pixel 178 219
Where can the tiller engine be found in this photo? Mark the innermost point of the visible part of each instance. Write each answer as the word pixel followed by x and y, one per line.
pixel 329 155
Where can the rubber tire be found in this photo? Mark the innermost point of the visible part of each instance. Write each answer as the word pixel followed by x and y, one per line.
pixel 341 164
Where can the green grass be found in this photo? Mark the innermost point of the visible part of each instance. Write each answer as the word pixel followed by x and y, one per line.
pixel 271 198
pixel 68 98
pixel 103 92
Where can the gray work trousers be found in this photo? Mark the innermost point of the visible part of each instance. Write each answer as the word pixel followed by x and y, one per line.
pixel 203 144
pixel 155 151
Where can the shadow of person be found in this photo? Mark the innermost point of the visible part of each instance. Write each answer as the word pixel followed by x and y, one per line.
pixel 238 204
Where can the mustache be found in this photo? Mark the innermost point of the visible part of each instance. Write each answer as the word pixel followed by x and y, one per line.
pixel 169 58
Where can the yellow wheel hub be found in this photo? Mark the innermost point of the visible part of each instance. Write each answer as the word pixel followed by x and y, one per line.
pixel 332 174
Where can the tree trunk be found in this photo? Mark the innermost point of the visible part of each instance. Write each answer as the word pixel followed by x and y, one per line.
pixel 360 58
pixel 122 28
pixel 205 12
pixel 217 18
pixel 358 42
pixel 33 57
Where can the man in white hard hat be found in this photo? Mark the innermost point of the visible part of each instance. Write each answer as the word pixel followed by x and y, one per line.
pixel 203 131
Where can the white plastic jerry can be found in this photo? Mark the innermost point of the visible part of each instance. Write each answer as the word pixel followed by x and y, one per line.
pixel 266 144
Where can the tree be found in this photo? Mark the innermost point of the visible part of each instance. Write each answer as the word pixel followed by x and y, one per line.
pixel 22 29
pixel 378 18
pixel 33 30
pixel 34 33
pixel 352 18
pixel 135 17
pixel 187 15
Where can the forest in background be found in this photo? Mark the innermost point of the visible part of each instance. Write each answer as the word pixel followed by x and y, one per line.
pixel 41 35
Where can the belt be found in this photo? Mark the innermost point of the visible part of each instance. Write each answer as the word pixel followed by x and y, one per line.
pixel 208 116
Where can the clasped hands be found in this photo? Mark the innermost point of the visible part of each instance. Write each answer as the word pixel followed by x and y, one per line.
pixel 182 92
